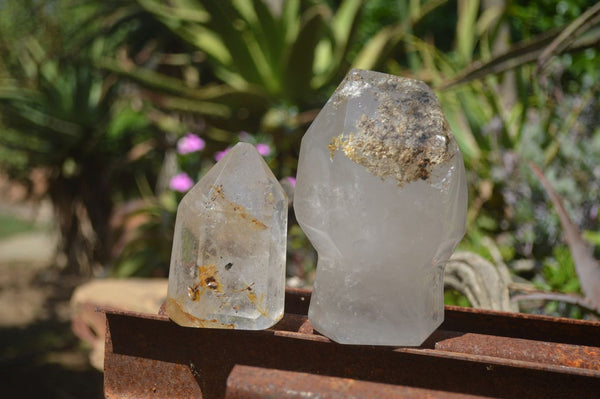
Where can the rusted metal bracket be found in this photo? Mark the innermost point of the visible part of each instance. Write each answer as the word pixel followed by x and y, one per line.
pixel 474 353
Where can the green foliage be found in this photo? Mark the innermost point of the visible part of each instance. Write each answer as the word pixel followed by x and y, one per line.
pixel 558 275
pixel 559 272
pixel 455 298
pixel 534 17
pixel 504 111
pixel 593 237
pixel 496 113
pixel 249 45
pixel 146 247
pixel 262 56
pixel 61 115
pixel 261 68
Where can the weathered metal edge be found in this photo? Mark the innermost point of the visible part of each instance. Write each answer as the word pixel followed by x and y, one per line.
pixel 487 354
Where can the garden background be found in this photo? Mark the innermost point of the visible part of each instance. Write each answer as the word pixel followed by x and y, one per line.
pixel 111 109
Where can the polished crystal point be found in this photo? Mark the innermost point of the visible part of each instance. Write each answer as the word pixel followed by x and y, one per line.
pixel 228 260
pixel 381 194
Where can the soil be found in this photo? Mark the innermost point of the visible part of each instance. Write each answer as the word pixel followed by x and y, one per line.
pixel 40 357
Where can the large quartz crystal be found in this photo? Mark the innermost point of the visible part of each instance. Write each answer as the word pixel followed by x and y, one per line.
pixel 229 248
pixel 381 194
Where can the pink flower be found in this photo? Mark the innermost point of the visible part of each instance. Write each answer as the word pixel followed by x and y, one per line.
pixel 291 180
pixel 190 143
pixel 220 154
pixel 263 149
pixel 181 182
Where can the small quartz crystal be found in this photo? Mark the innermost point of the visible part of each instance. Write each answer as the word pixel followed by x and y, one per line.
pixel 228 260
pixel 381 194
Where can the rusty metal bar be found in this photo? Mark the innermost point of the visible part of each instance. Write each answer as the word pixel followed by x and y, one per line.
pixel 521 325
pixel 474 352
pixel 579 356
pixel 247 382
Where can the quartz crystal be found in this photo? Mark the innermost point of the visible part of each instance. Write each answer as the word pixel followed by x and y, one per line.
pixel 229 248
pixel 381 194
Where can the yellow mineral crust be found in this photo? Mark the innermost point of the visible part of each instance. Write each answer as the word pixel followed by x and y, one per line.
pixel 406 138
pixel 258 303
pixel 181 317
pixel 218 195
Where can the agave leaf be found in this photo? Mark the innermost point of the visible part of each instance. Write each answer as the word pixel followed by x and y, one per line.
pixel 330 56
pixel 155 80
pixel 474 119
pixel 215 101
pixel 13 140
pixel 290 21
pixel 13 94
pixel 344 21
pixel 180 11
pixel 262 39
pixel 207 41
pixel 302 53
pixel 246 10
pixel 270 35
pixel 195 106
pixel 461 130
pixel 26 110
pixel 229 25
pixel 587 267
pixel 103 22
pixel 378 47
pixel 217 37
pixel 258 37
pixel 433 64
pixel 35 49
pixel 466 25
pixel 489 19
pixel 268 78
pixel 438 63
pixel 421 10
pixel 233 79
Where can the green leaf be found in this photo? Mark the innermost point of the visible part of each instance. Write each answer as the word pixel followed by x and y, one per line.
pixel 461 130
pixel 466 26
pixel 229 25
pixel 194 106
pixel 517 55
pixel 208 41
pixel 155 80
pixel 373 53
pixel 330 55
pixel 560 272
pixel 290 21
pixel 593 237
pixel 344 22
pixel 261 39
pixel 586 21
pixel 126 120
pixel 180 12
pixel 302 53
pixel 270 37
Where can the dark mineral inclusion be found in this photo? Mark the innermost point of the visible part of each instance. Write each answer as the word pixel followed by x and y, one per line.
pixel 406 138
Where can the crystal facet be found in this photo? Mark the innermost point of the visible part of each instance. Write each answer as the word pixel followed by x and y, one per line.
pixel 228 260
pixel 381 194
